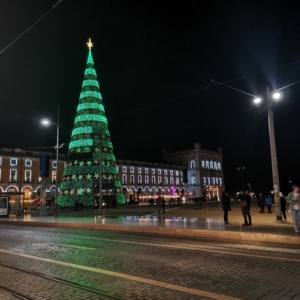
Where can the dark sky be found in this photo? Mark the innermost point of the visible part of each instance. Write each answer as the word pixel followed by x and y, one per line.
pixel 147 53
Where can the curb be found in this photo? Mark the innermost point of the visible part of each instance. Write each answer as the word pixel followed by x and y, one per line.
pixel 176 232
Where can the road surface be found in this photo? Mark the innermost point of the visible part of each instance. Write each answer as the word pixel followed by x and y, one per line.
pixel 53 263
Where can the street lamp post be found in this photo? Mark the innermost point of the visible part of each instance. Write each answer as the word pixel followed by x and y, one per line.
pixel 275 175
pixel 100 179
pixel 241 169
pixel 46 122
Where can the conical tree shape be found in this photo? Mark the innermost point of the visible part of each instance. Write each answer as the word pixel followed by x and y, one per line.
pixel 90 131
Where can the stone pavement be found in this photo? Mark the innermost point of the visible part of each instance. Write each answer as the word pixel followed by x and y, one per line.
pixel 7 296
pixel 136 266
pixel 178 221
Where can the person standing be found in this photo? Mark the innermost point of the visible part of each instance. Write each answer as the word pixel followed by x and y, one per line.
pixel 158 204
pixel 261 203
pixel 246 210
pixel 203 200
pixel 269 203
pixel 283 206
pixel 226 206
pixel 293 199
pixel 163 204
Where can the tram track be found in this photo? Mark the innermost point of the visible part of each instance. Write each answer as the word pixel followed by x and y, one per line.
pixel 23 296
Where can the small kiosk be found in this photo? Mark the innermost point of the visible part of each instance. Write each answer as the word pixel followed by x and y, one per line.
pixel 12 205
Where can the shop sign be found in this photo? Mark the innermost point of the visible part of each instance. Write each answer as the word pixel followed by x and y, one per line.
pixel 3 206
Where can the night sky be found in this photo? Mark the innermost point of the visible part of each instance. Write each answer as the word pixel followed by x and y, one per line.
pixel 146 54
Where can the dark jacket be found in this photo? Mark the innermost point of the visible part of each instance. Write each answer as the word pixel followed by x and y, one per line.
pixel 226 203
pixel 248 199
pixel 282 204
pixel 261 201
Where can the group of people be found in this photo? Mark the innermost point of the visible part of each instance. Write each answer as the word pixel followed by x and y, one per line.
pixel 200 201
pixel 245 207
pixel 292 200
pixel 263 201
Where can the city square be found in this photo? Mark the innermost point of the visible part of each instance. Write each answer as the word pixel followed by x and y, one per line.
pixel 149 150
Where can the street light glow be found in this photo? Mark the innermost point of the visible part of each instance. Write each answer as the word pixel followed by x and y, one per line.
pixel 45 122
pixel 257 100
pixel 276 96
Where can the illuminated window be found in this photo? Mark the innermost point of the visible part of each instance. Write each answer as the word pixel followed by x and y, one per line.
pixel 28 162
pixel 132 170
pixel 215 166
pixel 166 172
pixel 146 179
pixel 219 166
pixel 153 171
pixel 166 181
pixel 171 180
pixel 0 160
pixel 204 180
pixel 139 170
pixel 13 175
pixel 131 179
pixel 177 173
pixel 146 170
pixel 193 180
pixel 159 179
pixel 28 175
pixel 53 176
pixel 124 179
pixel 124 169
pixel 203 164
pixel 177 181
pixel 192 164
pixel 220 181
pixel 13 161
pixel 207 164
pixel 54 164
pixel 139 179
pixel 153 179
pixel 40 179
pixel 208 181
pixel 217 181
pixel 213 181
pixel 159 171
pixel 211 164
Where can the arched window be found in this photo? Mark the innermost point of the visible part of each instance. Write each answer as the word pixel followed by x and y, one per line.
pixel 219 166
pixel 124 179
pixel 215 166
pixel 207 164
pixel 204 180
pixel 208 181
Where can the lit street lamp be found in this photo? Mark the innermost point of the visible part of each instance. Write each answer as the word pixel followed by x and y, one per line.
pixel 46 122
pixel 267 104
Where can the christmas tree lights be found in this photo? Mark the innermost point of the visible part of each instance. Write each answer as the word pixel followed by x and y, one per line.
pixel 90 131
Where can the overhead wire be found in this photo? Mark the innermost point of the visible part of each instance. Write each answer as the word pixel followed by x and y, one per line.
pixel 42 17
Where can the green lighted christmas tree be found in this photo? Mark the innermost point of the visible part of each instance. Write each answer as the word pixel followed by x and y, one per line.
pixel 90 131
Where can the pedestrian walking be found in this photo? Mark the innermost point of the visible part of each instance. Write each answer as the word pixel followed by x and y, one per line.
pixel 163 204
pixel 226 206
pixel 158 204
pixel 293 199
pixel 261 203
pixel 245 206
pixel 269 203
pixel 283 205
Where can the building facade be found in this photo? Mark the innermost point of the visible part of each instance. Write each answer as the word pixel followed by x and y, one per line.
pixel 19 172
pixel 204 170
pixel 142 181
